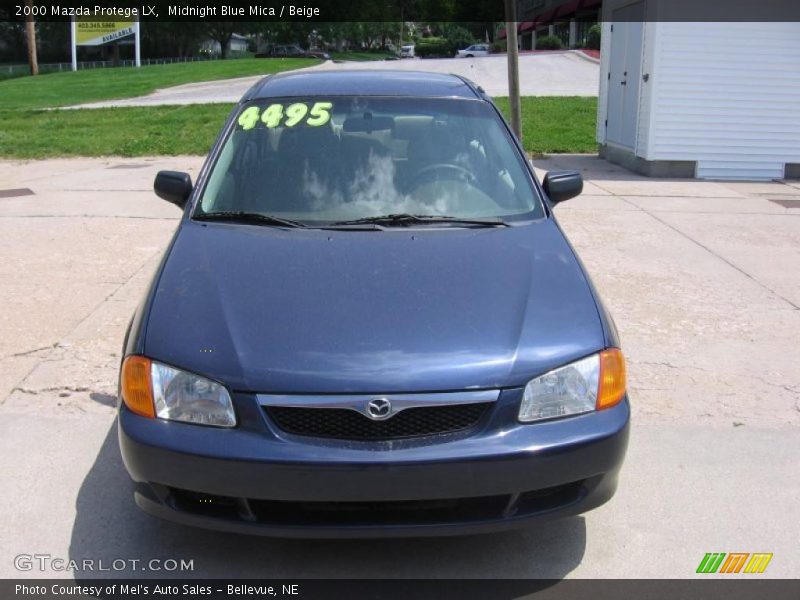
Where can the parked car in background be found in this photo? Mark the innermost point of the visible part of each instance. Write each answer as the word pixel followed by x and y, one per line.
pixel 407 51
pixel 474 50
pixel 292 51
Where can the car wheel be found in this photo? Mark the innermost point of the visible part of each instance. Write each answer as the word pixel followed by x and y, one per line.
pixel 470 56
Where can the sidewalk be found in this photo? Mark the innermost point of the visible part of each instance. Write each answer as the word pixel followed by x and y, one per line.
pixel 701 277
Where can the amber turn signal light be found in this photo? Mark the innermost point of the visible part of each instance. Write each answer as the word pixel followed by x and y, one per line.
pixel 137 393
pixel 612 385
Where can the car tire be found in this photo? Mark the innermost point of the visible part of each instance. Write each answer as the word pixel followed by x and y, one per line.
pixel 470 56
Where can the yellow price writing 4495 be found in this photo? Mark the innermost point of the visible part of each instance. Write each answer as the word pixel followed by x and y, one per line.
pixel 290 115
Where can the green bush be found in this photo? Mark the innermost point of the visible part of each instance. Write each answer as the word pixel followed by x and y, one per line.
pixel 548 42
pixel 433 48
pixel 593 37
pixel 452 39
pixel 459 38
pixel 499 46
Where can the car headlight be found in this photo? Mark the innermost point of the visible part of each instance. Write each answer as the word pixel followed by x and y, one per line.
pixel 592 383
pixel 153 389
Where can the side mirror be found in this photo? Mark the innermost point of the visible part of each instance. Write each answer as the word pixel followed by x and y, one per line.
pixel 173 186
pixel 562 185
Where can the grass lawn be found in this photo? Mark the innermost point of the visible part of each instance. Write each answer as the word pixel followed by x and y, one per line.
pixel 92 85
pixel 129 131
pixel 556 124
pixel 550 125
pixel 362 56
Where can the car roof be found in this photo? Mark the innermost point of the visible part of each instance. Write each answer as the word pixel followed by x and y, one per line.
pixel 363 83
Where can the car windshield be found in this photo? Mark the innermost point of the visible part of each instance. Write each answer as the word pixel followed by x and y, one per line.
pixel 326 160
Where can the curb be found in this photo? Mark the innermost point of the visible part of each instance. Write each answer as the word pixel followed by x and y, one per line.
pixel 586 56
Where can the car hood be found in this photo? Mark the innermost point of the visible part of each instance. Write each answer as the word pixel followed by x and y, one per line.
pixel 264 309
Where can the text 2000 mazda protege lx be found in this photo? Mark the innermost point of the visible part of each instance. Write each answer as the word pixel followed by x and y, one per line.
pixel 369 323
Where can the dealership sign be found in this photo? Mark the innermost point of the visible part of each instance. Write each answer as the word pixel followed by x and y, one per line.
pixel 96 33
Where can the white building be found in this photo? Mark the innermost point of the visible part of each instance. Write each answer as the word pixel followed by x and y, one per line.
pixel 717 100
pixel 236 45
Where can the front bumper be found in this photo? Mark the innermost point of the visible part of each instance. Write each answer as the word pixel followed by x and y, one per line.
pixel 257 479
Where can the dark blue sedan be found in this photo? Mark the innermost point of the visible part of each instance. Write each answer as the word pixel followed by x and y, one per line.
pixel 369 323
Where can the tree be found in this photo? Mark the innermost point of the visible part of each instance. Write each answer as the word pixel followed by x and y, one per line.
pixel 222 32
pixel 12 40
pixel 171 38
pixel 288 32
pixel 52 41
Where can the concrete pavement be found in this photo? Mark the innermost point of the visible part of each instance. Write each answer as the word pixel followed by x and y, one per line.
pixel 701 278
pixel 568 73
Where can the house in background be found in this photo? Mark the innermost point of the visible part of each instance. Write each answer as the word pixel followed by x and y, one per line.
pixel 237 45
pixel 718 100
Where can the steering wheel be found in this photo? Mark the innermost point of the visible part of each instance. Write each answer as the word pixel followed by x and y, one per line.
pixel 450 171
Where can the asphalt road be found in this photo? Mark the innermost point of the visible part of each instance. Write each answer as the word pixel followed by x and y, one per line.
pixel 568 73
pixel 700 276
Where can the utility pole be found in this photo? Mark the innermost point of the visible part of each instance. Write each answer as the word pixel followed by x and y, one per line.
pixel 513 67
pixel 30 38
pixel 402 25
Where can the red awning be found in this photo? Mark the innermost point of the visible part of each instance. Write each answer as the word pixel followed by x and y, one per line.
pixel 560 12
pixel 545 17
pixel 566 9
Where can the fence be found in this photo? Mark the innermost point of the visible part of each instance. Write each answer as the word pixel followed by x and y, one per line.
pixel 20 70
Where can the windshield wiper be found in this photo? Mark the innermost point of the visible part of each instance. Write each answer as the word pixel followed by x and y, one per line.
pixel 409 219
pixel 241 216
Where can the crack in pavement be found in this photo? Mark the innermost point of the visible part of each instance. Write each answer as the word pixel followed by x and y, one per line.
pixel 108 297
pixel 712 253
pixel 34 351
pixel 63 388
pixel 726 261
pixel 666 364
pixel 784 386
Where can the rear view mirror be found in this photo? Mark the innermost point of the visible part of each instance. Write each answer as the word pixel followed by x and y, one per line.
pixel 562 185
pixel 368 124
pixel 173 186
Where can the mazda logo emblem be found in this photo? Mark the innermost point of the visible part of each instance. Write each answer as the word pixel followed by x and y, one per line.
pixel 379 408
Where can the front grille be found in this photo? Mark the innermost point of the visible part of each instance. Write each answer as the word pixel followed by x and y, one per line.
pixel 347 424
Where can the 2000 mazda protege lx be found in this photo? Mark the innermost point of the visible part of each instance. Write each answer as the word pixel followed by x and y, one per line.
pixel 368 323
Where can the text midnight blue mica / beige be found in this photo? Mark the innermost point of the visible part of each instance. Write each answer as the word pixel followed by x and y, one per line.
pixel 254 10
